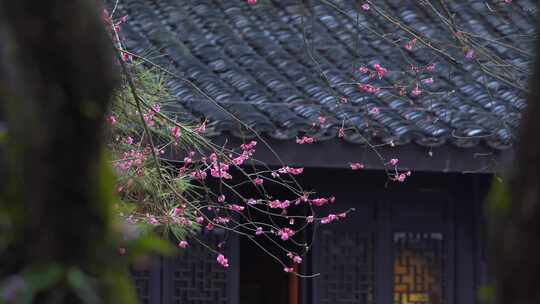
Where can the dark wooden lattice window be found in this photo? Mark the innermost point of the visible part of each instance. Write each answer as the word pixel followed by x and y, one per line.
pixel 346 264
pixel 142 281
pixel 195 276
pixel 419 268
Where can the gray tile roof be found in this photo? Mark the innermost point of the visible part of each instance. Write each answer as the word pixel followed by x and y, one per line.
pixel 253 61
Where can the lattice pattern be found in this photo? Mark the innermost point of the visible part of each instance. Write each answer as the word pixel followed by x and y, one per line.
pixel 419 268
pixel 346 266
pixel 141 279
pixel 198 278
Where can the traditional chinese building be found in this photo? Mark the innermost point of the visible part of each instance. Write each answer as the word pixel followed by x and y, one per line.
pixel 411 80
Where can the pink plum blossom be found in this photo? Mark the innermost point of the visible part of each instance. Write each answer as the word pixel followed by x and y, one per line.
pixel 290 170
pixel 222 260
pixel 221 220
pixel 240 159
pixel 236 208
pixel 184 221
pixel 198 174
pixel 319 201
pixel 112 120
pixel 285 233
pixel 285 204
pixel 305 140
pixel 176 132
pixel 248 146
pixel 201 128
pixel 341 133
pixel 410 45
pixel 178 211
pixel 427 80
pixel 329 218
pixel 152 220
pixel 416 91
pixel 357 166
pixel 380 70
pixel 126 57
pixel 469 54
pixel 400 177
pixel 275 204
pixel 368 88
pixel 219 170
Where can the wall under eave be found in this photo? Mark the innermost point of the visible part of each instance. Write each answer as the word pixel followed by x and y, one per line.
pixel 336 153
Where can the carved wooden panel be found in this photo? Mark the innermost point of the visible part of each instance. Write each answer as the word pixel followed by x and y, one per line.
pixel 347 267
pixel 419 268
pixel 196 276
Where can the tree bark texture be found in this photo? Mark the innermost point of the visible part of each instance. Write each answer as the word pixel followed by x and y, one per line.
pixel 517 236
pixel 56 79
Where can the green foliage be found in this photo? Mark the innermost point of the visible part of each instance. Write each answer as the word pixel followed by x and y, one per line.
pixel 498 200
pixel 105 197
pixel 82 285
pixel 150 189
pixel 123 291
pixel 149 243
pixel 486 294
pixel 39 278
pixel 3 136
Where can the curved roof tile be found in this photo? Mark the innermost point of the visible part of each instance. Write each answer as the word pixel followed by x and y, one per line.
pixel 278 66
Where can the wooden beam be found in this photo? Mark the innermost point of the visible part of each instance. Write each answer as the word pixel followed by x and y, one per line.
pixel 336 153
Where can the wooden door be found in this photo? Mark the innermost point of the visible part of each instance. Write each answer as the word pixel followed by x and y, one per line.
pixel 397 249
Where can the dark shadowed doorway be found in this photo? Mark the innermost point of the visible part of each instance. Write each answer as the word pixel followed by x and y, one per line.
pixel 262 279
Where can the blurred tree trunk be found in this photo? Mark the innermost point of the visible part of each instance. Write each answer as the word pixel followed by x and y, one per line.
pixel 517 237
pixel 56 79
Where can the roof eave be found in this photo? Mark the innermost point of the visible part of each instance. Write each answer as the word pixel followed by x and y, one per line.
pixel 340 154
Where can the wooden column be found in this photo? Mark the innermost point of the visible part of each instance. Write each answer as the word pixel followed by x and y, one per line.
pixel 293 286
